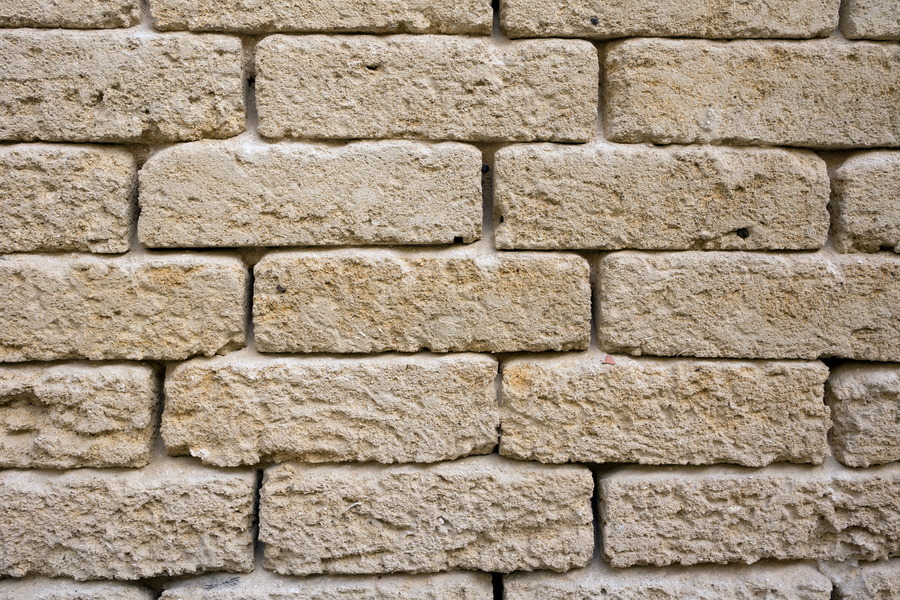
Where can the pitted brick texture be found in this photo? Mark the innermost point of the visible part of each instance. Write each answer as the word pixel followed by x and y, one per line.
pixel 866 203
pixel 75 14
pixel 43 588
pixel 871 19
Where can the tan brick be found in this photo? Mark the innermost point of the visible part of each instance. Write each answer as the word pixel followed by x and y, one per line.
pixel 71 14
pixel 870 19
pixel 750 305
pixel 611 196
pixel 42 588
pixel 483 513
pixel 56 197
pixel 866 203
pixel 431 87
pixel 372 301
pixel 165 307
pixel 119 86
pixel 869 581
pixel 821 94
pixel 223 194
pixel 171 518
pixel 578 408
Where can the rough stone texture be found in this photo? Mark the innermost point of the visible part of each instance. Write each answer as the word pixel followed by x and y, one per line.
pixel 605 19
pixel 424 86
pixel 238 410
pixel 820 93
pixel 55 197
pixel 42 588
pixel 71 14
pixel 749 305
pixel 599 582
pixel 351 301
pixel 578 408
pixel 866 203
pixel 611 197
pixel 660 516
pixel 869 581
pixel 483 513
pixel 119 86
pixel 68 416
pixel 865 405
pixel 222 194
pixel 167 307
pixel 871 19
pixel 170 518
pixel 310 16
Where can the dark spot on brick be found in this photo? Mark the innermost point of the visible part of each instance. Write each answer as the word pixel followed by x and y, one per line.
pixel 485 168
pixel 372 67
pixel 595 21
pixel 280 289
pixel 742 233
pixel 457 240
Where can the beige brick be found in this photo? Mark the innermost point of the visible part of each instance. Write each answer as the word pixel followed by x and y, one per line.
pixel 865 404
pixel 165 307
pixel 42 588
pixel 660 516
pixel 869 581
pixel 431 87
pixel 223 194
pixel 56 197
pixel 866 203
pixel 750 305
pixel 171 518
pixel 483 513
pixel 240 410
pixel 611 196
pixel 821 94
pixel 871 19
pixel 578 408
pixel 372 301
pixel 72 14
pixel 119 86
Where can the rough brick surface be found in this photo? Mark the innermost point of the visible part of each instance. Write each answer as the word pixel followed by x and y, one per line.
pixel 166 307
pixel 430 87
pixel 869 581
pixel 351 301
pixel 72 14
pixel 42 588
pixel 871 19
pixel 222 194
pixel 577 408
pixel 55 197
pixel 119 86
pixel 610 197
pixel 369 519
pixel 820 93
pixel 170 518
pixel 750 305
pixel 866 203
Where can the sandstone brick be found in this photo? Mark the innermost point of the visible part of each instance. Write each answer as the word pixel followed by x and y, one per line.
pixel 866 203
pixel 870 581
pixel 431 87
pixel 351 301
pixel 483 513
pixel 749 305
pixel 610 196
pixel 221 194
pixel 119 86
pixel 166 307
pixel 72 14
pixel 578 408
pixel 56 197
pixel 865 404
pixel 660 516
pixel 42 588
pixel 871 19
pixel 821 94
pixel 171 518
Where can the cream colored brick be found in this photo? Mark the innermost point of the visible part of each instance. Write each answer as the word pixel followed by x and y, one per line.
pixel 119 86
pixel 222 194
pixel 750 305
pixel 821 94
pixel 483 513
pixel 42 588
pixel 373 301
pixel 72 14
pixel 611 196
pixel 431 87
pixel 871 19
pixel 57 197
pixel 866 203
pixel 164 307
pixel 869 581
pixel 578 408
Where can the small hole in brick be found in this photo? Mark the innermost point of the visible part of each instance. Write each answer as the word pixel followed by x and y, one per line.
pixel 595 21
pixel 501 219
pixel 485 168
pixel 458 240
pixel 280 289
pixel 742 233
pixel 372 67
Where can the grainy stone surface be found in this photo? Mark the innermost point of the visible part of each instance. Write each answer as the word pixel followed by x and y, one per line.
pixel 43 588
pixel 866 203
pixel 57 197
pixel 611 196
pixel 166 307
pixel 869 581
pixel 71 14
pixel 431 87
pixel 223 194
pixel 119 86
pixel 750 305
pixel 578 408
pixel 819 93
pixel 871 19
pixel 170 518
pixel 236 410
pixel 483 513
pixel 865 405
